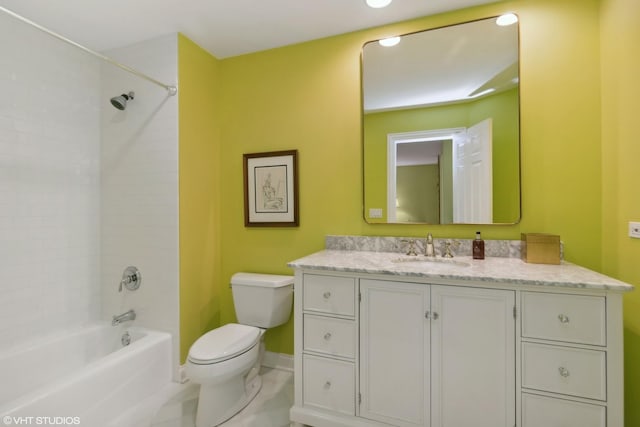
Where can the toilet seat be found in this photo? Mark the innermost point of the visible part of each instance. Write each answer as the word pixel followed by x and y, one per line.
pixel 223 343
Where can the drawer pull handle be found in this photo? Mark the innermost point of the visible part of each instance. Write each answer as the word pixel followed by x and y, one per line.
pixel 327 385
pixel 564 372
pixel 327 336
pixel 563 318
pixel 326 295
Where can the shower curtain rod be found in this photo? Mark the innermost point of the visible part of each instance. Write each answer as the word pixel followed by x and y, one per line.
pixel 172 90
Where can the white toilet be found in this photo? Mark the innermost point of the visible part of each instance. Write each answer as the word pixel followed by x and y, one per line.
pixel 226 361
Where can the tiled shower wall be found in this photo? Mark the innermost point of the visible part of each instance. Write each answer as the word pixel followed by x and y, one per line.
pixel 85 189
pixel 49 184
pixel 140 187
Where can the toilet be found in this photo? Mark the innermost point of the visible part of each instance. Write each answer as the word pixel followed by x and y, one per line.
pixel 226 361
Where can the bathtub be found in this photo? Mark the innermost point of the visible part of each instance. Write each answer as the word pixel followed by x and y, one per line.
pixel 84 378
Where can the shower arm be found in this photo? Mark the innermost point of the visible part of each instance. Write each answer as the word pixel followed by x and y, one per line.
pixel 171 90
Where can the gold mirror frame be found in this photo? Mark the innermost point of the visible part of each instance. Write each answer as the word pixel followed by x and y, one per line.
pixel 431 119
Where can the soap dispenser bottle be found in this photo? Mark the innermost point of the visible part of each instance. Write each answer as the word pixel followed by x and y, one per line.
pixel 478 247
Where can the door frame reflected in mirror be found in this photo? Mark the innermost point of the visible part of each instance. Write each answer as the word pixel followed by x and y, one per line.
pixel 425 136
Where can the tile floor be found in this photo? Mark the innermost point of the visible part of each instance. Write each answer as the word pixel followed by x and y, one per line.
pixel 270 408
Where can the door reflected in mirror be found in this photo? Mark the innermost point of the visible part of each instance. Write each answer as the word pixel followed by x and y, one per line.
pixel 441 126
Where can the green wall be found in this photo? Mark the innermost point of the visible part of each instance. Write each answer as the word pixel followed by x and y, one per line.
pixel 579 93
pixel 620 45
pixel 307 97
pixel 417 193
pixel 502 108
pixel 199 183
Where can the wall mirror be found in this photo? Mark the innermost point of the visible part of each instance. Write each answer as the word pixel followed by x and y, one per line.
pixel 441 117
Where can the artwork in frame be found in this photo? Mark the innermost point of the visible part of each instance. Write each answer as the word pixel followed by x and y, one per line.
pixel 271 189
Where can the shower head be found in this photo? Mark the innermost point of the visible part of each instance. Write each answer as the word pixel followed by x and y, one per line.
pixel 120 102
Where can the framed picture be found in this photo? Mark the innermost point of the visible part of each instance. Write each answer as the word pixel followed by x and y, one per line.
pixel 271 189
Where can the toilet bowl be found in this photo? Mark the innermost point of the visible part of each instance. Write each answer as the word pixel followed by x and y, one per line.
pixel 221 361
pixel 226 361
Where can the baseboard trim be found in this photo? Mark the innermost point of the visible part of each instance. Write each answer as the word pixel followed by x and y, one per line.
pixel 278 361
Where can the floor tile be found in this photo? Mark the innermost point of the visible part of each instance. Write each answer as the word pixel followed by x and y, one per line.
pixel 270 408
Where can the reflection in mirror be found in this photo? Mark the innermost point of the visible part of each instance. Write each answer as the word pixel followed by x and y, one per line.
pixel 441 126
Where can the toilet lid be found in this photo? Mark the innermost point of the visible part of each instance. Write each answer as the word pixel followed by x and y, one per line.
pixel 223 343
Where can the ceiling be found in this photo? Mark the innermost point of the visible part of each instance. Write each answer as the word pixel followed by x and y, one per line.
pixel 223 27
pixel 457 63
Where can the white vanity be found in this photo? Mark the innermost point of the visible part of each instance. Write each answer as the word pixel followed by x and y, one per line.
pixel 386 339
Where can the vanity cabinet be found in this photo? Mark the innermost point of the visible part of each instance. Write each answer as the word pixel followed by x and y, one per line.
pixel 395 354
pixel 424 349
pixel 566 343
pixel 329 343
pixel 376 349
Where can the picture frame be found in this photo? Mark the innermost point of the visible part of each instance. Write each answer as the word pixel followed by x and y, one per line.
pixel 271 189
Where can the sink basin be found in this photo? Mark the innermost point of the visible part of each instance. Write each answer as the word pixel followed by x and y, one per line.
pixel 425 260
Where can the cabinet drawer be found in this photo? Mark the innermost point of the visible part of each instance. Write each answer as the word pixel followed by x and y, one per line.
pixel 330 336
pixel 570 318
pixel 538 411
pixel 329 294
pixel 328 384
pixel 564 370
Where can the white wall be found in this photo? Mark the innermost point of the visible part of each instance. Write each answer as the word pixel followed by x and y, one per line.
pixel 49 184
pixel 140 187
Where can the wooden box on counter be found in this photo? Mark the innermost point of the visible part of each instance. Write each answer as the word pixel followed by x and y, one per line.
pixel 539 248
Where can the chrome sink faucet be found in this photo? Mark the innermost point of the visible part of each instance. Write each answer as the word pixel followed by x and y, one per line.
pixel 129 315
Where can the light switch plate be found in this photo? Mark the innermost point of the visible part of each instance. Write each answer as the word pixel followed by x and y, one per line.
pixel 375 213
pixel 634 230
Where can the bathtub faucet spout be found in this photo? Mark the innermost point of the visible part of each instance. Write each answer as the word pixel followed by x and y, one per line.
pixel 129 315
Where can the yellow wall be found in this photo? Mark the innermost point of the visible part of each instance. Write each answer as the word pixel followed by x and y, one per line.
pixel 621 175
pixel 578 151
pixel 307 97
pixel 304 97
pixel 199 157
pixel 418 193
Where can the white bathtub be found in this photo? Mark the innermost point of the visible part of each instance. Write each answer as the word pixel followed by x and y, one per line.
pixel 84 378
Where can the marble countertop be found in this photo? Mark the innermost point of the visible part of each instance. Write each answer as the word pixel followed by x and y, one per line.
pixel 495 270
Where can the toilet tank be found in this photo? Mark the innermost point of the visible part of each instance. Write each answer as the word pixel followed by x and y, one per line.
pixel 262 300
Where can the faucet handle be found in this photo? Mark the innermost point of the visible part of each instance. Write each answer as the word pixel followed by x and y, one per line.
pixel 412 247
pixel 131 279
pixel 447 249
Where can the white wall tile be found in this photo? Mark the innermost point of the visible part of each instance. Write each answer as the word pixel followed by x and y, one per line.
pixel 139 185
pixel 49 184
pixel 85 190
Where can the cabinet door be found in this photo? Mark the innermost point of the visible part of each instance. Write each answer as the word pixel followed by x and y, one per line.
pixel 394 352
pixel 473 357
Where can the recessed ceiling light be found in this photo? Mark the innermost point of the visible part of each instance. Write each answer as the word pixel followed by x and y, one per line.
pixel 378 3
pixel 507 19
pixel 390 41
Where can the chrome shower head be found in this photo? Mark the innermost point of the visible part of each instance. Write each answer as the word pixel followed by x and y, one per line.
pixel 120 102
